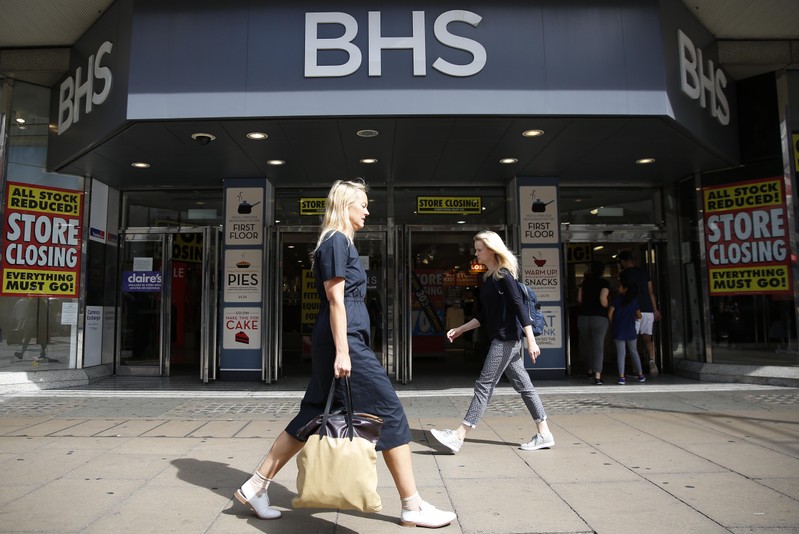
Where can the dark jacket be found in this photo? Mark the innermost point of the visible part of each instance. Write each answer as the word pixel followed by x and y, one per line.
pixel 500 307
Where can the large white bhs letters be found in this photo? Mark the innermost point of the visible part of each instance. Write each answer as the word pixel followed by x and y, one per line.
pixel 695 81
pixel 378 43
pixel 73 89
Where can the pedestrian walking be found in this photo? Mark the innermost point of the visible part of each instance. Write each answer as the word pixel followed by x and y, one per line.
pixel 592 319
pixel 650 313
pixel 501 311
pixel 340 347
pixel 623 314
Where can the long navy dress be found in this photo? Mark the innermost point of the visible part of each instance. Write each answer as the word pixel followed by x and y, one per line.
pixel 372 391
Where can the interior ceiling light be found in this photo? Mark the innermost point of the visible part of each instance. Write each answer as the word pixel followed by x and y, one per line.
pixel 140 165
pixel 508 161
pixel 645 161
pixel 532 133
pixel 369 160
pixel 19 119
pixel 276 162
pixel 366 133
pixel 257 136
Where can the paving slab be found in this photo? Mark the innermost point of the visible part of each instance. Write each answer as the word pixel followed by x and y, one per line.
pixel 699 459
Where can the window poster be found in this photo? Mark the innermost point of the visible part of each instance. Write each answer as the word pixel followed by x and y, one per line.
pixel 42 236
pixel 746 238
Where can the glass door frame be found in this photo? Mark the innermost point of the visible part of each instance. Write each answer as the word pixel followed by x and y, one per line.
pixel 209 340
pixel 403 325
pixel 274 364
pixel 653 238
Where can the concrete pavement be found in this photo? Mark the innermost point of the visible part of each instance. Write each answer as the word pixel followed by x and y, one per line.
pixel 665 456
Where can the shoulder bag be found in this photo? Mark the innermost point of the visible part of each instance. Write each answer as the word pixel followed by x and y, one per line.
pixel 337 467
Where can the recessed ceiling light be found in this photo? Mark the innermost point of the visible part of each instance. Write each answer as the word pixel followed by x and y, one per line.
pixel 276 162
pixel 532 133
pixel 645 161
pixel 369 160
pixel 461 222
pixel 508 161
pixel 203 138
pixel 257 135
pixel 140 165
pixel 366 133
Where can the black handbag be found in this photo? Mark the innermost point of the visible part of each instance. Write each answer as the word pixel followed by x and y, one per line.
pixel 342 422
pixel 337 467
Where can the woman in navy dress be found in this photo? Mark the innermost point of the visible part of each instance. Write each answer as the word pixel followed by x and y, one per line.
pixel 341 347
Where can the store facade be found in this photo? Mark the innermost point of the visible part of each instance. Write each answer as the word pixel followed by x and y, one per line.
pixel 142 216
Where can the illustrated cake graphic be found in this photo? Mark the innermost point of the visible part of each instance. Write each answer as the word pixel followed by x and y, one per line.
pixel 241 337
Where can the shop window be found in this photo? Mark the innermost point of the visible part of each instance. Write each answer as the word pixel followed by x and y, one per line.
pixel 39 323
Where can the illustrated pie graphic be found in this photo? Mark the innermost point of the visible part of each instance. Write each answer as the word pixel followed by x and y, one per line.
pixel 243 264
pixel 241 337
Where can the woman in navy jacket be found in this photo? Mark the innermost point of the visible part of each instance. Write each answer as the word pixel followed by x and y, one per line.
pixel 505 319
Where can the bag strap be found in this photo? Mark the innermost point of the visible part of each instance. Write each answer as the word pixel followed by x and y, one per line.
pixel 347 408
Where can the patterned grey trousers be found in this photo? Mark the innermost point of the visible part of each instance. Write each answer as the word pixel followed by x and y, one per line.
pixel 503 356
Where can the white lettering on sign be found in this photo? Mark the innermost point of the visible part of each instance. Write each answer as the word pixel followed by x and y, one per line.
pixel 74 89
pixel 377 43
pixel 698 82
pixel 747 237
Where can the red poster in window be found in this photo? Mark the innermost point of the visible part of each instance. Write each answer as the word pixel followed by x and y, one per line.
pixel 746 238
pixel 42 237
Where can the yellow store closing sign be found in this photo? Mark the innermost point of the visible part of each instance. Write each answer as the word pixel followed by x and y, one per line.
pixel 456 205
pixel 746 238
pixel 42 238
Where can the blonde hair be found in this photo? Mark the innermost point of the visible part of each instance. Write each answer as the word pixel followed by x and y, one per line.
pixel 505 258
pixel 342 195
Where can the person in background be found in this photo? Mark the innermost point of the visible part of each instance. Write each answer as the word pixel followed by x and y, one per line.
pixel 340 347
pixel 646 300
pixel 592 319
pixel 623 314
pixel 501 310
pixel 31 315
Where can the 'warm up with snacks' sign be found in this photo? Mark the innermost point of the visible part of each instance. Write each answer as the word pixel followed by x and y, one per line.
pixel 41 241
pixel 746 238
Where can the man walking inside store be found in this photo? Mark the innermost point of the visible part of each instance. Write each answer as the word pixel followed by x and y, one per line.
pixel 630 272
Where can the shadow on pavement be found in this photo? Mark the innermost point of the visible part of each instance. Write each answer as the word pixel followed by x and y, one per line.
pixel 223 480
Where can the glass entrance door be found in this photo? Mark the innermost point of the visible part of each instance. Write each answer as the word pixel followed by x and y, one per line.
pixel 143 318
pixel 587 245
pixel 440 286
pixel 298 303
pixel 168 302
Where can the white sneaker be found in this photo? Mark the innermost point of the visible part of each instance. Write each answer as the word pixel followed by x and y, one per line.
pixel 653 368
pixel 427 516
pixel 258 502
pixel 539 441
pixel 448 438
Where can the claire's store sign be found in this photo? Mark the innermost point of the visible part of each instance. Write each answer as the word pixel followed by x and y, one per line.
pixel 42 238
pixel 746 238
pixel 141 281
